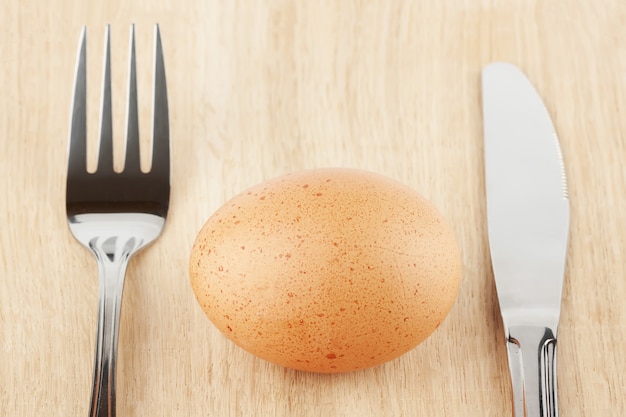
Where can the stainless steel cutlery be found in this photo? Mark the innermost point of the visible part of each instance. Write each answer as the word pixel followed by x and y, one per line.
pixel 115 214
pixel 528 228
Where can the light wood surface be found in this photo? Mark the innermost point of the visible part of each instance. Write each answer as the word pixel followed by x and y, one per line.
pixel 261 88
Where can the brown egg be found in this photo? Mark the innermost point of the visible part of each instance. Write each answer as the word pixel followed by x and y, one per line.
pixel 326 270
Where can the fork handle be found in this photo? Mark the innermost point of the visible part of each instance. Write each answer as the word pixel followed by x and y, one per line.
pixel 112 255
pixel 532 362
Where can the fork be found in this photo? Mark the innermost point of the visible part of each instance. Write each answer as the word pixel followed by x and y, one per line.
pixel 115 214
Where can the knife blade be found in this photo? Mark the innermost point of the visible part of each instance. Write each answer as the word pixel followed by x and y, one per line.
pixel 528 230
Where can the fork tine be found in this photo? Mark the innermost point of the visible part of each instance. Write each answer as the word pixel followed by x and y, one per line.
pixel 132 159
pixel 160 130
pixel 105 157
pixel 77 160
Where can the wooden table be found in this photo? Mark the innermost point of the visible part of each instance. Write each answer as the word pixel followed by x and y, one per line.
pixel 258 89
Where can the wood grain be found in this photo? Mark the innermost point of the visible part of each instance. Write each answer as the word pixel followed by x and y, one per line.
pixel 261 88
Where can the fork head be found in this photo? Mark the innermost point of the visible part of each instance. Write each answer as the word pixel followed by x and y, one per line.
pixel 105 190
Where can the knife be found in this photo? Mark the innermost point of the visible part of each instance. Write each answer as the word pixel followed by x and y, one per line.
pixel 528 230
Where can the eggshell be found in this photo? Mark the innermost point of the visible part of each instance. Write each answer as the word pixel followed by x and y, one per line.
pixel 326 270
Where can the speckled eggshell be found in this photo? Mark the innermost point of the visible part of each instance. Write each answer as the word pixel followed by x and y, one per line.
pixel 326 270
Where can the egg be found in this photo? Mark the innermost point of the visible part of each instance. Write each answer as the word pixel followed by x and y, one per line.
pixel 326 270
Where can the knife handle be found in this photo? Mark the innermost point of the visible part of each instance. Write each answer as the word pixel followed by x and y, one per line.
pixel 532 362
